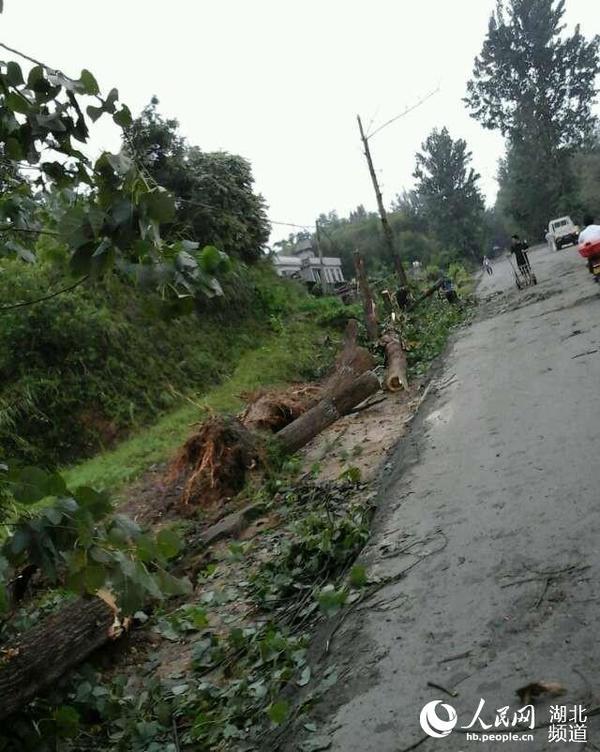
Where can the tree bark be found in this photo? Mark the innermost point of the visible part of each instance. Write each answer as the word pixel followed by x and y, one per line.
pixel 327 411
pixel 33 662
pixel 395 378
pixel 367 298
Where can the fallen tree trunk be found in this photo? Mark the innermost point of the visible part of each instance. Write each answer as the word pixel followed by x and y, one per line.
pixel 352 361
pixel 272 410
pixel 327 411
pixel 32 663
pixel 427 294
pixel 395 377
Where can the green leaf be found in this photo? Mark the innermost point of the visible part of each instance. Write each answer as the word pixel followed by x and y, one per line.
pixel 170 585
pixel 352 474
pixel 96 502
pixel 14 73
pixel 56 485
pixel 331 600
pixel 18 103
pixel 67 721
pixel 168 543
pixel 358 576
pixel 278 711
pixel 94 576
pixel 14 149
pixel 89 83
pixel 160 205
pixel 123 117
pixel 304 677
pixel 109 104
pixel 146 548
pixel 18 541
pixel 36 75
pixel 94 113
pixel 213 260
pixel 31 485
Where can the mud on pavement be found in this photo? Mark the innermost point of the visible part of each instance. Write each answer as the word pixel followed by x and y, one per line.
pixel 487 528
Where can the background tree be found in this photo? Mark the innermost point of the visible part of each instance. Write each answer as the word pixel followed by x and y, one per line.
pixel 447 193
pixel 537 88
pixel 215 200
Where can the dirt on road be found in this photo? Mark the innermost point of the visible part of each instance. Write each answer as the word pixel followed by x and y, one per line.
pixel 492 510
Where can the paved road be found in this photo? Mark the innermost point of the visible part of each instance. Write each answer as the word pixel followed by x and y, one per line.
pixel 493 506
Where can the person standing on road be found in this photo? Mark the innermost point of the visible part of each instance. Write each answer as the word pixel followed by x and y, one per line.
pixel 518 247
pixel 487 265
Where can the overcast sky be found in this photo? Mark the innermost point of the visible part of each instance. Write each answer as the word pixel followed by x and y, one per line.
pixel 281 82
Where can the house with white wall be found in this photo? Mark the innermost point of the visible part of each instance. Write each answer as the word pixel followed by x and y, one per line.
pixel 304 263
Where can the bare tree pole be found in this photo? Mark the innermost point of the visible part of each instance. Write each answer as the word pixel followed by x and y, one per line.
pixel 320 252
pixel 367 298
pixel 387 230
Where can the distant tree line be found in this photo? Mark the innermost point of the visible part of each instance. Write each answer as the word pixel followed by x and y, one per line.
pixel 537 87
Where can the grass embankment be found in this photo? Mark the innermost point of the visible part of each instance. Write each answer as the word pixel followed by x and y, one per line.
pixel 295 351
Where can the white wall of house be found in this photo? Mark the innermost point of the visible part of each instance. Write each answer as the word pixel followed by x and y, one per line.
pixel 309 267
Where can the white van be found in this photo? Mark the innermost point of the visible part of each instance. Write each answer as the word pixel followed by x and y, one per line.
pixel 561 232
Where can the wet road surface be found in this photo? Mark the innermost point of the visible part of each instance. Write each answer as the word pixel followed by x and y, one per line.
pixel 492 508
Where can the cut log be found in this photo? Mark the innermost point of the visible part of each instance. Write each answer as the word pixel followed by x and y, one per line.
pixel 33 662
pixel 327 411
pixel 272 410
pixel 367 298
pixel 352 361
pixel 395 378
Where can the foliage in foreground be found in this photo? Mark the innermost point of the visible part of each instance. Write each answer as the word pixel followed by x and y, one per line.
pixel 239 677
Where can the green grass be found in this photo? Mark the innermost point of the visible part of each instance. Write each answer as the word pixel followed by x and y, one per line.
pixel 294 352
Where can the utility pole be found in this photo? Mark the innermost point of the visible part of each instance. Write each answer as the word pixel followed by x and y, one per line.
pixel 387 230
pixel 320 252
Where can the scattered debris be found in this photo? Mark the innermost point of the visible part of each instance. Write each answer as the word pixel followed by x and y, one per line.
pixel 450 692
pixel 536 689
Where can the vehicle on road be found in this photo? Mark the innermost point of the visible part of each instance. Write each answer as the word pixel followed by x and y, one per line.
pixel 561 232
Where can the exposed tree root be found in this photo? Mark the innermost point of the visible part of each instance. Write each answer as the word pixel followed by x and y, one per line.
pixel 215 461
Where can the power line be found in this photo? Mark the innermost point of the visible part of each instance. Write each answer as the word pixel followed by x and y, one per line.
pixel 402 114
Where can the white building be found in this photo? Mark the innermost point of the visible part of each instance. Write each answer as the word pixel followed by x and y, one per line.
pixel 305 264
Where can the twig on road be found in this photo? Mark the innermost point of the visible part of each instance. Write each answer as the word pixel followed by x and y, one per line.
pixel 466 654
pixel 370 592
pixel 367 405
pixel 538 603
pixel 450 692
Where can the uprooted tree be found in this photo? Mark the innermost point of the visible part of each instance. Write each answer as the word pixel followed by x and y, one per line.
pixel 214 463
